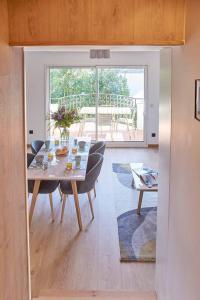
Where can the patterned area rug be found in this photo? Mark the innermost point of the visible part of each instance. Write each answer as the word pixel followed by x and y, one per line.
pixel 124 175
pixel 137 235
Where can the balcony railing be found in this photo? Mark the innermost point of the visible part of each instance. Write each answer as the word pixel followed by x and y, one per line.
pixel 120 120
pixel 80 100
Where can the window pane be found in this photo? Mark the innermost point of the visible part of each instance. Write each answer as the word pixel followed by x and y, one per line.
pixel 74 88
pixel 121 104
pixel 109 100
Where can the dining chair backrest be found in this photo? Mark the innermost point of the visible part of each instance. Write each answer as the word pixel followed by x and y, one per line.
pixel 46 186
pixel 36 146
pixel 105 119
pixel 98 147
pixel 95 162
pixel 101 149
pixel 30 158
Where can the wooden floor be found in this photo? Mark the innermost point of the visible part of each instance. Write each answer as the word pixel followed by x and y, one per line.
pixel 105 295
pixel 62 258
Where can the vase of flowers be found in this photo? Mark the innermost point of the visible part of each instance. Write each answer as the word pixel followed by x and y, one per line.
pixel 64 133
pixel 63 118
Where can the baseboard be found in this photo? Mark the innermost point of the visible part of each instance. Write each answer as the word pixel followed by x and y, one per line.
pixel 153 145
pixel 97 294
pixel 149 146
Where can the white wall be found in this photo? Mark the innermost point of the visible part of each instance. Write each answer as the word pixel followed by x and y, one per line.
pixel 164 172
pixel 36 62
pixel 182 263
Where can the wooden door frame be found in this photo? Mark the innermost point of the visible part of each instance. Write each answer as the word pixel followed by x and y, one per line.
pixel 15 280
pixel 26 232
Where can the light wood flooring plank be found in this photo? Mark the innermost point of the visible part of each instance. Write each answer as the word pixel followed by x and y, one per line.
pixel 64 258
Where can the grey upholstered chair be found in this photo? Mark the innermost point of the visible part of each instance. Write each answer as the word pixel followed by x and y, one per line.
pixel 98 147
pixel 36 146
pixel 95 162
pixel 30 158
pixel 46 186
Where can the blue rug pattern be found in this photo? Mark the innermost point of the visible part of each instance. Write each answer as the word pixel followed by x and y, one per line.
pixel 137 235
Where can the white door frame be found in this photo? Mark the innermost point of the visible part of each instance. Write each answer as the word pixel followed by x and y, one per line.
pixel 111 144
pixel 161 280
pixel 164 172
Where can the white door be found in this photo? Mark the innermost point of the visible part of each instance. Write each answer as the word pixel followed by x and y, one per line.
pixel 110 100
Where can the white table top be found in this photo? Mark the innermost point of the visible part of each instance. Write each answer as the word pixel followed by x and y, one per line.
pixel 105 110
pixel 139 184
pixel 57 167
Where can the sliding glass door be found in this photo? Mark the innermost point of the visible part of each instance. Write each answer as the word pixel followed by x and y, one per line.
pixel 109 100
pixel 74 88
pixel 121 104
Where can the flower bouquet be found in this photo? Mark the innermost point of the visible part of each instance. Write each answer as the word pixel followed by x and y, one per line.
pixel 63 118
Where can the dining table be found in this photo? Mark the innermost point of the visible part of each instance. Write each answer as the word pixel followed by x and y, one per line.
pixel 105 110
pixel 56 170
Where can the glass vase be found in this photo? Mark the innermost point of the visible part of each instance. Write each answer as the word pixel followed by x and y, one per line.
pixel 64 134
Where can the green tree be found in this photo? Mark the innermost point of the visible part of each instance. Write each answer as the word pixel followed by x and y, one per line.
pixel 75 81
pixel 112 81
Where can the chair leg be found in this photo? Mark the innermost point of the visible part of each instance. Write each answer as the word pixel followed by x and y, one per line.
pixel 60 192
pixel 111 130
pixel 134 131
pixel 81 127
pixel 128 128
pixel 63 207
pixel 91 207
pixel 51 205
pixel 76 201
pixel 95 194
pixel 34 198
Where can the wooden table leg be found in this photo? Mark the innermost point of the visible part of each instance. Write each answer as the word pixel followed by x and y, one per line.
pixel 140 202
pixel 34 198
pixel 78 212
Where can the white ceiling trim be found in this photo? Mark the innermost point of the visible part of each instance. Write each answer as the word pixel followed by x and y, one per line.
pixel 87 48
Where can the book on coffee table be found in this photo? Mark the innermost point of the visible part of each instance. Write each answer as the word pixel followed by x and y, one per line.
pixel 147 175
pixel 150 178
pixel 144 180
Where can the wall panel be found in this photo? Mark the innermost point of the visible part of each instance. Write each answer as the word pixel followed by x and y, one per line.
pixel 37 61
pixel 62 22
pixel 164 172
pixel 180 252
pixel 184 221
pixel 14 266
